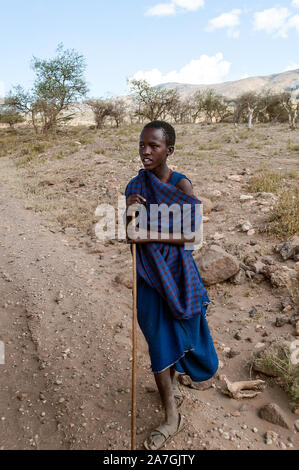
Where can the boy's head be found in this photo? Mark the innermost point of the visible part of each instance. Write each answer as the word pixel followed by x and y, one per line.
pixel 156 143
pixel 167 129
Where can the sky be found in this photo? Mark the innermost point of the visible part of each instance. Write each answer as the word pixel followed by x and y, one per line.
pixel 185 41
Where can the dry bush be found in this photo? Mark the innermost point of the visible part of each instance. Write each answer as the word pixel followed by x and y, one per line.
pixel 284 217
pixel 277 359
pixel 267 181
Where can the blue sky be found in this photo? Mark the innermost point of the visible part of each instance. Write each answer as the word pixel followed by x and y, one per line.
pixel 190 41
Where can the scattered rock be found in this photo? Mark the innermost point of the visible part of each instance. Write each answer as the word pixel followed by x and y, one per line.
pixel 296 424
pixel 252 312
pixel 218 236
pixel 288 249
pixel 273 414
pixel 232 353
pixel 121 279
pixel 270 437
pixel 258 267
pixel 207 205
pixel 245 197
pixel 216 265
pixel 239 278
pixel 251 232
pixel 237 178
pixel 245 226
pixel 280 321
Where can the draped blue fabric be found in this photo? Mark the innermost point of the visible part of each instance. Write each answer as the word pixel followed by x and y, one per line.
pixel 185 343
pixel 169 268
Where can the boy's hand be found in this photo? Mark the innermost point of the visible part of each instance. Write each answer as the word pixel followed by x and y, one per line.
pixel 135 199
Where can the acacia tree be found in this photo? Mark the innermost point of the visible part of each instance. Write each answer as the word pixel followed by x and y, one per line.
pixel 197 105
pixel 214 105
pixel 102 109
pixel 181 110
pixel 118 112
pixel 9 114
pixel 249 105
pixel 290 105
pixel 24 103
pixel 152 102
pixel 58 85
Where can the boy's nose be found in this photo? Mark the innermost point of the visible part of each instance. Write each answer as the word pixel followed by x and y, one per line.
pixel 146 151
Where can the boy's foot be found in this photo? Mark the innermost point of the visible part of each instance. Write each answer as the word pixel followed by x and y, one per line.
pixel 162 434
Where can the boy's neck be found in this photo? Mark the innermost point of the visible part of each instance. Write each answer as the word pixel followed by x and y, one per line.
pixel 161 172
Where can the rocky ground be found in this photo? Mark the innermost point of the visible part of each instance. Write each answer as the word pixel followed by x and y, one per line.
pixel 65 297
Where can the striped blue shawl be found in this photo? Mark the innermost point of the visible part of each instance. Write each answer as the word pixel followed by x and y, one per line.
pixel 169 268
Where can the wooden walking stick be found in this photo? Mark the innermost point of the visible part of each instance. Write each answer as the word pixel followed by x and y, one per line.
pixel 134 349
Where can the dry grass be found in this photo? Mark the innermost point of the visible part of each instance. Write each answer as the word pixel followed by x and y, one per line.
pixel 267 181
pixel 277 358
pixel 284 217
pixel 294 147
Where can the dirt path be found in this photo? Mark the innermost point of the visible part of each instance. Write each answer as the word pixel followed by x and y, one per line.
pixel 65 323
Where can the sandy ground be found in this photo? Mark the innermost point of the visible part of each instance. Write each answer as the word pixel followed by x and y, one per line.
pixel 66 326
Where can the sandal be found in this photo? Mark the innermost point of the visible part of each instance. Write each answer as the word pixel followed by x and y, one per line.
pixel 163 430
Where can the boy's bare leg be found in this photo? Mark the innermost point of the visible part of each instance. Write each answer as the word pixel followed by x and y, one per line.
pixel 165 387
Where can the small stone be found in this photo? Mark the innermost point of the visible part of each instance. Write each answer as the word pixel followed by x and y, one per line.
pixel 252 312
pixel 296 424
pixel 280 321
pixel 251 232
pixel 254 430
pixel 246 226
pixel 273 414
pixel 259 345
pixel 21 396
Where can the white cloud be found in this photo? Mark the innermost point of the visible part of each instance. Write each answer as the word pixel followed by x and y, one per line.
pixel 292 66
pixel 226 20
pixel 294 22
pixel 205 70
pixel 171 8
pixel 277 21
pixel 162 9
pixel 295 3
pixel 190 5
pixel 273 20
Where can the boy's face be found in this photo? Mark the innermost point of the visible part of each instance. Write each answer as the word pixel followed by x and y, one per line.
pixel 153 150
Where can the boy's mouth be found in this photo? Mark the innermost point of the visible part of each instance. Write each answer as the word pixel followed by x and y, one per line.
pixel 146 161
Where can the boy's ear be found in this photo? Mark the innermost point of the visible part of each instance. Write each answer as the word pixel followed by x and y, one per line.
pixel 170 150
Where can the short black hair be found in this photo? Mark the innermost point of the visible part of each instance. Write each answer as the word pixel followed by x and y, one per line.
pixel 167 129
